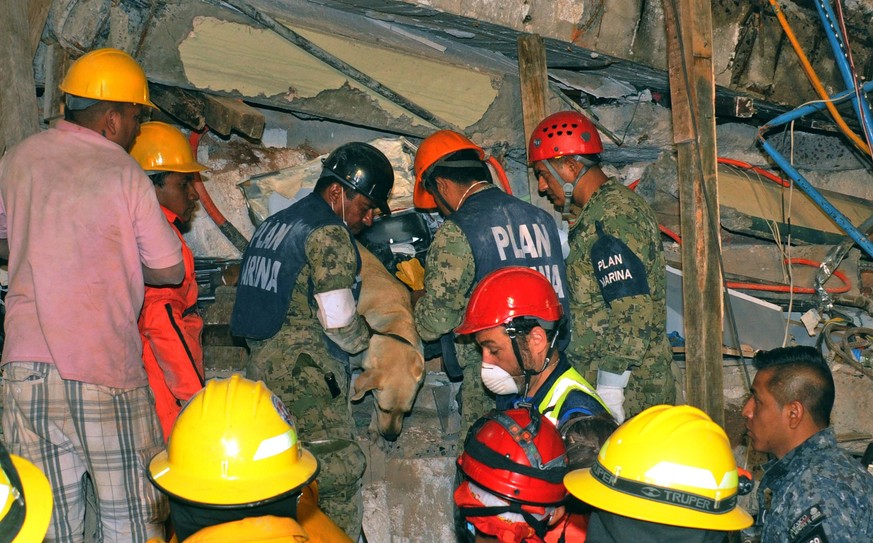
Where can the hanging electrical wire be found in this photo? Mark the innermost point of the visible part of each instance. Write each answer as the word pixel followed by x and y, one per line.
pixel 816 81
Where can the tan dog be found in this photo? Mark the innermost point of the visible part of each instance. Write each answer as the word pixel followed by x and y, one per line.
pixel 394 362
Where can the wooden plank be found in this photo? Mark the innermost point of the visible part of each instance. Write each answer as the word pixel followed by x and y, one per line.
pixel 18 110
pixel 56 61
pixel 37 13
pixel 692 90
pixel 534 79
pixel 187 107
pixel 224 115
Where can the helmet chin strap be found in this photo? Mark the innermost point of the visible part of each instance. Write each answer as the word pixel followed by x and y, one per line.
pixel 568 187
pixel 342 205
pixel 513 338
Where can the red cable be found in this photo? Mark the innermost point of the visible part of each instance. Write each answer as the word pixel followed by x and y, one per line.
pixel 745 165
pixel 670 234
pixel 210 207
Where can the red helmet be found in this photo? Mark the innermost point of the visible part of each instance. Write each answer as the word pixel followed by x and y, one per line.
pixel 517 454
pixel 564 133
pixel 509 293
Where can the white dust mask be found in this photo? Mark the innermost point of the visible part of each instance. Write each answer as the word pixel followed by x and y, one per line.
pixel 498 380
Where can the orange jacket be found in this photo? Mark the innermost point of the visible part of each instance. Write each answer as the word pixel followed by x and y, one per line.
pixel 170 329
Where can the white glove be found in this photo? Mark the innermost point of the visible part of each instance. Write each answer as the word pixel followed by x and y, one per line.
pixel 613 397
pixel 610 388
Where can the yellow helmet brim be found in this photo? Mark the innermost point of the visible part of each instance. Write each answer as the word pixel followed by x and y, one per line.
pixel 582 484
pixel 38 497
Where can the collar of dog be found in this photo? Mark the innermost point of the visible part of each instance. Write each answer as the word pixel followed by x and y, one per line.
pixel 401 339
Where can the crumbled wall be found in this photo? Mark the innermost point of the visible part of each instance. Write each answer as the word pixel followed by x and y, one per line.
pixel 750 50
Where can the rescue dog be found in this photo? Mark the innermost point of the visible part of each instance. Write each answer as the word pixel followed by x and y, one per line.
pixel 394 362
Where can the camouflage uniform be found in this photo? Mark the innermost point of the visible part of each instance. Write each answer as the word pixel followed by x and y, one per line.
pixel 296 365
pixel 449 275
pixel 816 493
pixel 491 231
pixel 629 333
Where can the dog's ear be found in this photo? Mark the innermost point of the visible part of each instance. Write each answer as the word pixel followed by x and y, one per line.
pixel 418 369
pixel 366 381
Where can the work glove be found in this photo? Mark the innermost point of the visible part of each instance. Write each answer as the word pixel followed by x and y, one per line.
pixel 610 388
pixel 411 273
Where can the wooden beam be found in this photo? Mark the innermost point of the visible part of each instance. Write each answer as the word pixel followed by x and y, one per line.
pixel 56 61
pixel 534 79
pixel 196 110
pixel 19 115
pixel 692 91
pixel 226 114
pixel 37 13
pixel 187 107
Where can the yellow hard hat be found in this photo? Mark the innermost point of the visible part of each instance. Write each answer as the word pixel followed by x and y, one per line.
pixel 234 443
pixel 669 465
pixel 161 147
pixel 20 480
pixel 107 74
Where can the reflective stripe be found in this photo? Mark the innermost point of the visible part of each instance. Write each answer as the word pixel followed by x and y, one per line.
pixel 275 445
pixel 551 405
pixel 660 494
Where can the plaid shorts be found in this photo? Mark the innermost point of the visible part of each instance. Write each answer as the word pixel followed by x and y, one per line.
pixel 71 430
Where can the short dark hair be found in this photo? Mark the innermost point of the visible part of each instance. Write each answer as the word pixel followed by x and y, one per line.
pixel 461 175
pixel 584 435
pixel 800 374
pixel 158 179
pixel 92 113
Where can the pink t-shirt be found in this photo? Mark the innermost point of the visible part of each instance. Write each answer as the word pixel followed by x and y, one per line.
pixel 81 218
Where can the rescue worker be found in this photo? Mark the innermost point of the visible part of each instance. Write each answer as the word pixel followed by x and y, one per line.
pixel 811 491
pixel 84 233
pixel 516 319
pixel 25 500
pixel 485 229
pixel 513 462
pixel 615 270
pixel 667 475
pixel 169 324
pixel 296 304
pixel 234 470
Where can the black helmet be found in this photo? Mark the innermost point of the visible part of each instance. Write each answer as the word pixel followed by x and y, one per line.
pixel 362 167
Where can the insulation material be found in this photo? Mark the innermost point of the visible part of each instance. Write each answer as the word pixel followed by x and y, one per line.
pixel 234 58
pixel 268 193
pixel 757 202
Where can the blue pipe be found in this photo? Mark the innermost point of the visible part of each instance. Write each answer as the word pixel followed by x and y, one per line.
pixel 839 46
pixel 795 114
pixel 820 200
pixel 844 223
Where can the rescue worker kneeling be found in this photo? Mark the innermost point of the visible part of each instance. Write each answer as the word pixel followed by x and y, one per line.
pixel 234 470
pixel 514 462
pixel 667 475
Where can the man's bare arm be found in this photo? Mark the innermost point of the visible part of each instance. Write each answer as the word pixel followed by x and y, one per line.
pixel 164 276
